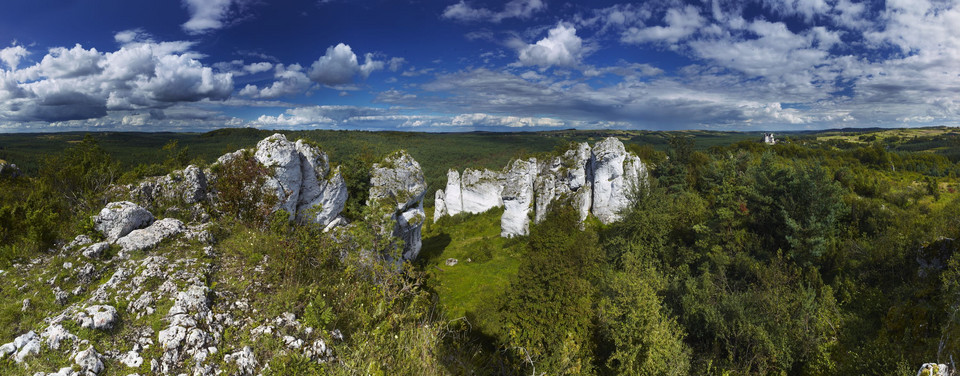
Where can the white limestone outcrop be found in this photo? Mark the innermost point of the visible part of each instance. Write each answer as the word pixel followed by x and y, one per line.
pixel 481 190
pixel 518 197
pixel 398 181
pixel 598 180
pixel 301 179
pixel 616 175
pixel 452 199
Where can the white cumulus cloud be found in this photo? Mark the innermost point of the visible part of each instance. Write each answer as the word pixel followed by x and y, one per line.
pixel 12 55
pixel 339 65
pixel 208 15
pixel 561 47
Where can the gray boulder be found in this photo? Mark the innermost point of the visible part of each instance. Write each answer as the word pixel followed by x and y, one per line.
pixel 152 235
pixel 398 181
pixel 118 219
pixel 518 198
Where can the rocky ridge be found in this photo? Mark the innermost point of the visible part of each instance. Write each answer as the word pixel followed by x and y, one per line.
pixel 597 181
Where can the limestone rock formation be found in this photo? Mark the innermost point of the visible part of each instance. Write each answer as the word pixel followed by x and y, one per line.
pixel 398 181
pixel 118 219
pixel 616 175
pixel 570 177
pixel 452 197
pixel 301 179
pixel 323 192
pixel 598 181
pixel 481 190
pixel 518 197
pixel 439 205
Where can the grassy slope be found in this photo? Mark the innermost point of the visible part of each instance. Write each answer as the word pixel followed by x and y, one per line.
pixel 470 289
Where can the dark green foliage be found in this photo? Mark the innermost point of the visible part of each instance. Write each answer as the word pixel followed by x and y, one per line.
pixel 549 309
pixel 239 189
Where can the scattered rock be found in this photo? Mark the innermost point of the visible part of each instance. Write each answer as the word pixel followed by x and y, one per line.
pixel 56 334
pixel 80 240
pixel 95 250
pixel 131 359
pixel 245 360
pixel 100 317
pixel 118 219
pixel 25 306
pixel 89 361
pixel 451 261
pixel 25 345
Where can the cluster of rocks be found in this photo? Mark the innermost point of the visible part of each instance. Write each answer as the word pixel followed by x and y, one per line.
pixel 597 181
pixel 134 228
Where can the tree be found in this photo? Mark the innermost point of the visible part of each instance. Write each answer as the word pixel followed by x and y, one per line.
pixel 549 309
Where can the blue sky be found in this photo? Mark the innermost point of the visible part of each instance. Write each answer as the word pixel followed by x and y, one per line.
pixel 459 65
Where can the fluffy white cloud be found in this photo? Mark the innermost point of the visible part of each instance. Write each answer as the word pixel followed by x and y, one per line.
pixel 258 67
pixel 561 47
pixel 681 23
pixel 208 15
pixel 339 65
pixel 514 9
pixel 291 80
pixel 79 83
pixel 11 56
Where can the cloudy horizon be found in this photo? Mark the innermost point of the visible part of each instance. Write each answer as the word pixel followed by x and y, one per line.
pixel 458 65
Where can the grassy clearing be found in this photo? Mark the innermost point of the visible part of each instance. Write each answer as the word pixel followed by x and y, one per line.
pixel 486 264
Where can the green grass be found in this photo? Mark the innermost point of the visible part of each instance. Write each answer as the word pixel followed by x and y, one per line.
pixel 471 289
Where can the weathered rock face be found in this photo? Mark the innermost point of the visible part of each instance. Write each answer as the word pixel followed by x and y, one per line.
pixel 281 157
pixel 118 219
pixel 301 179
pixel 398 181
pixel 598 180
pixel 567 177
pixel 323 193
pixel 518 198
pixel 453 197
pixel 615 177
pixel 439 206
pixel 481 190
